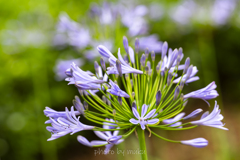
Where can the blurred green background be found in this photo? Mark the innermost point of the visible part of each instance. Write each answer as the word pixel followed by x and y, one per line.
pixel 28 83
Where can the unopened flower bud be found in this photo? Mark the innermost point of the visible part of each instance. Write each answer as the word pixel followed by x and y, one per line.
pixel 125 44
pixel 131 81
pixel 179 59
pixel 96 67
pixel 85 104
pixel 142 60
pixel 147 70
pixel 126 58
pixel 174 57
pixel 108 101
pixel 136 45
pixel 104 99
pixel 181 85
pixel 80 92
pixel 120 100
pixel 169 79
pixel 114 112
pixel 176 93
pixel 69 72
pixel 146 53
pixel 153 56
pixel 103 64
pixel 162 73
pixel 134 105
pixel 158 97
pixel 182 97
pixel 119 68
pixel 133 94
pixel 78 105
pixel 164 49
pixel 187 63
pixel 149 64
pixel 158 68
pixel 189 72
pixel 165 70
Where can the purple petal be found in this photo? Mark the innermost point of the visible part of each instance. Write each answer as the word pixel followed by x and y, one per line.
pixel 193 114
pixel 150 114
pixel 144 110
pixel 135 113
pixel 142 124
pixel 104 51
pixel 84 141
pixel 101 135
pixel 153 121
pixel 198 142
pixel 133 121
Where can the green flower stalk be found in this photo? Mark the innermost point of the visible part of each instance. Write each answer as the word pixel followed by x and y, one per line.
pixel 131 94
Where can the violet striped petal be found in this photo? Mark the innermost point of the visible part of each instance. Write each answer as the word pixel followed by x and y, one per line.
pixel 152 121
pixel 198 142
pixel 101 135
pixel 135 113
pixel 104 51
pixel 193 114
pixel 131 54
pixel 133 121
pixel 144 110
pixel 150 114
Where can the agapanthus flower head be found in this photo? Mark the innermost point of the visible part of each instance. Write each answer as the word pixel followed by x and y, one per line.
pixel 134 94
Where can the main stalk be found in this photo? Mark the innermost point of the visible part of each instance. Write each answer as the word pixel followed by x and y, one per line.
pixel 142 144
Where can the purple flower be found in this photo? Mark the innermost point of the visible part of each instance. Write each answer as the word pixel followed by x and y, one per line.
pixel 151 42
pixel 66 24
pixel 191 77
pixel 49 112
pixel 105 52
pixel 143 119
pixel 212 120
pixel 183 12
pixel 131 54
pixel 83 80
pixel 80 38
pixel 170 61
pixel 115 90
pixel 85 142
pixel 78 105
pixel 106 13
pixel 193 114
pixel 222 10
pixel 63 65
pixel 128 49
pixel 198 142
pixel 133 18
pixel 70 32
pixel 65 125
pixel 126 68
pixel 206 93
pixel 175 119
pixel 91 54
pixel 110 139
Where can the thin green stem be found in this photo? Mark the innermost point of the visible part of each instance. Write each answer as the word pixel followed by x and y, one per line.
pixel 142 144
